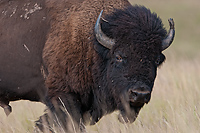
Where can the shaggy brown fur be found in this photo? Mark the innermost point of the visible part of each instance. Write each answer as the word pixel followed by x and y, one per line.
pixel 72 55
pixel 81 71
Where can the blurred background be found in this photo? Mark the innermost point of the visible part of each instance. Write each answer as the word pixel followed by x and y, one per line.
pixel 175 102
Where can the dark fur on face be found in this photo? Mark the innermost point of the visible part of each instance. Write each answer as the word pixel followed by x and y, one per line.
pixel 134 59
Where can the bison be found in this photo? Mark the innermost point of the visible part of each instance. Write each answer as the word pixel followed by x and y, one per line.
pixel 83 59
pixel 24 25
pixel 23 29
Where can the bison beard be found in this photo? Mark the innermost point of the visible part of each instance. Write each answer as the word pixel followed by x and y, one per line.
pixel 89 78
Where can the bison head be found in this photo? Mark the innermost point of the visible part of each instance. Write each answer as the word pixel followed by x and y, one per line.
pixel 130 43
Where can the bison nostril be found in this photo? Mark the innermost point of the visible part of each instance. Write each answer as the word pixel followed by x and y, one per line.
pixel 147 97
pixel 132 94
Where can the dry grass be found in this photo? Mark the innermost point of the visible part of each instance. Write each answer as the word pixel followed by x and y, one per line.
pixel 174 107
pixel 21 120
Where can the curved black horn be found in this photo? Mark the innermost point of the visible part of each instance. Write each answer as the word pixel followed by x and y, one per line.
pixel 100 36
pixel 170 37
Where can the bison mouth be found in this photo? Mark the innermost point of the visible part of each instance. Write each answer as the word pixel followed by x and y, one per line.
pixel 130 112
pixel 130 108
pixel 132 100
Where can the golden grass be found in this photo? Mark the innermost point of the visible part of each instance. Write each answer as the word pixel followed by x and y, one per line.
pixel 21 120
pixel 174 106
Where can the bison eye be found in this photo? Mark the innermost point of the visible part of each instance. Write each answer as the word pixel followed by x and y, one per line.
pixel 119 58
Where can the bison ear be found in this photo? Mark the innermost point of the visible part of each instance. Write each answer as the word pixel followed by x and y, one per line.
pixel 160 59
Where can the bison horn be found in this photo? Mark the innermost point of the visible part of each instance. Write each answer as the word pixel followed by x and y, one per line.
pixel 170 37
pixel 101 37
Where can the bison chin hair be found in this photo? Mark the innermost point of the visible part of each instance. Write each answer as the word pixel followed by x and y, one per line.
pixel 129 111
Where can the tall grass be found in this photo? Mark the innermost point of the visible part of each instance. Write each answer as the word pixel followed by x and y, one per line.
pixel 174 106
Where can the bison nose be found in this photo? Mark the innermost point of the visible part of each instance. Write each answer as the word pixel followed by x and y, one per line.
pixel 138 96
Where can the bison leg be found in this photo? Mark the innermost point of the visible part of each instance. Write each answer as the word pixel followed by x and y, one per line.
pixel 68 115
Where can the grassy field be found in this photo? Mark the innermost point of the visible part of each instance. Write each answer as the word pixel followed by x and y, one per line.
pixel 174 107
